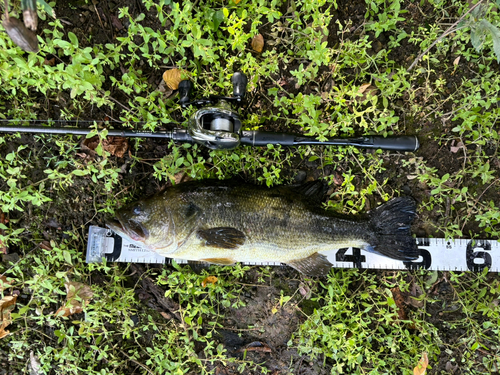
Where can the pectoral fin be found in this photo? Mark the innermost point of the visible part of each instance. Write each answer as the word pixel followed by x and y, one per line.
pixel 223 237
pixel 314 265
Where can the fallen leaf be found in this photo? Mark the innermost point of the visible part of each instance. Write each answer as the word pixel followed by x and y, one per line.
pixel 256 346
pixel 77 293
pixel 90 144
pixel 457 148
pixel 3 221
pixel 30 18
pixel 305 291
pixel 115 21
pixel 166 315
pixel 422 365
pixel 181 177
pixel 236 1
pixel 413 298
pixel 20 35
pixel 7 304
pixel 456 61
pixel 34 364
pixel 173 77
pixel 49 62
pixel 258 43
pixel 366 90
pixel 116 146
pixel 4 283
pixel 399 301
pixel 209 280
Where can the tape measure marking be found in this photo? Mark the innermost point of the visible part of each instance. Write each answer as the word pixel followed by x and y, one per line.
pixel 435 254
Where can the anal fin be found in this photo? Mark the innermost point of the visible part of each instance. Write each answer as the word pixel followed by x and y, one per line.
pixel 314 265
pixel 221 261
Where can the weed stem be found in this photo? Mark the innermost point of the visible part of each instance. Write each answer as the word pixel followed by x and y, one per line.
pixel 448 31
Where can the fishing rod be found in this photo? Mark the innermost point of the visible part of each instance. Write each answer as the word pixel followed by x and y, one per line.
pixel 217 125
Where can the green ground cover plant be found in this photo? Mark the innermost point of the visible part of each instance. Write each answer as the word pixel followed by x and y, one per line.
pixel 329 68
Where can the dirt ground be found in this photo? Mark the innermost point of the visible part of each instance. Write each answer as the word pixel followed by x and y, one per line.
pixel 276 329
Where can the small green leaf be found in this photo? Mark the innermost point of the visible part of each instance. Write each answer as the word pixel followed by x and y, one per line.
pixel 67 257
pixel 47 8
pixel 217 20
pixel 74 40
pixel 495 35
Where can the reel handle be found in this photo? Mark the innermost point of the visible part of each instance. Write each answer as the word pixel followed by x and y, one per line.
pixel 185 90
pixel 239 81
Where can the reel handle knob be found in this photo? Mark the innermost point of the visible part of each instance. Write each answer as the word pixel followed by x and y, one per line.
pixel 185 90
pixel 239 81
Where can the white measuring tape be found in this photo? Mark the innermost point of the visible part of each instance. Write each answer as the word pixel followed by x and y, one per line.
pixel 435 254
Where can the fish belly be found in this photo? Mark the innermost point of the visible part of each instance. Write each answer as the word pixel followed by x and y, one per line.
pixel 260 251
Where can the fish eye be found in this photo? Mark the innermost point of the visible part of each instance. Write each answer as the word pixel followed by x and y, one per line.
pixel 137 210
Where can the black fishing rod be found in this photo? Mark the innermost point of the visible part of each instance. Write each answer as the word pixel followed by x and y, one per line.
pixel 250 138
pixel 217 125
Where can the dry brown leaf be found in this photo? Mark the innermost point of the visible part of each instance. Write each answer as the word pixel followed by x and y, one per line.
pixel 258 43
pixel 209 280
pixel 3 220
pixel 399 301
pixel 456 61
pixel 116 146
pixel 30 18
pixel 457 148
pixel 7 304
pixel 166 315
pixel 422 365
pixel 77 293
pixel 173 77
pixel 236 1
pixel 20 35
pixel 366 90
pixel 181 177
pixel 256 346
pixel 4 283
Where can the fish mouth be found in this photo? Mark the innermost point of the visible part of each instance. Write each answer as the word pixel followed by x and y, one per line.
pixel 129 229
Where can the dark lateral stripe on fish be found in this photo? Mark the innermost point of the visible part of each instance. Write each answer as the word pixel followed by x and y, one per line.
pixel 223 237
pixel 314 265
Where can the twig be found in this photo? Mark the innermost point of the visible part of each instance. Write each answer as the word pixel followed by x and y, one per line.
pixel 477 202
pixel 167 303
pixel 137 363
pixel 448 31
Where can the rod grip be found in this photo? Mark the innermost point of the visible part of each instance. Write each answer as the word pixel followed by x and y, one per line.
pixel 396 143
pixel 262 139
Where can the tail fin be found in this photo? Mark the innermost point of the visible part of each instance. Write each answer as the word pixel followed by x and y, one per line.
pixel 391 223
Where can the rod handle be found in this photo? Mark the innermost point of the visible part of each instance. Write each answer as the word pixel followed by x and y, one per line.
pixel 257 138
pixel 396 143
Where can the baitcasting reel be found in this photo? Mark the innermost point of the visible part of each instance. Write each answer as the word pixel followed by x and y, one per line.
pixel 216 124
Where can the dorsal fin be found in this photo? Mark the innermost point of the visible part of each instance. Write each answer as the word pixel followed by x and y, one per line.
pixel 313 192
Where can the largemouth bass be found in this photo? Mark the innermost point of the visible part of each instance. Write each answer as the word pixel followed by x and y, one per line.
pixel 221 222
